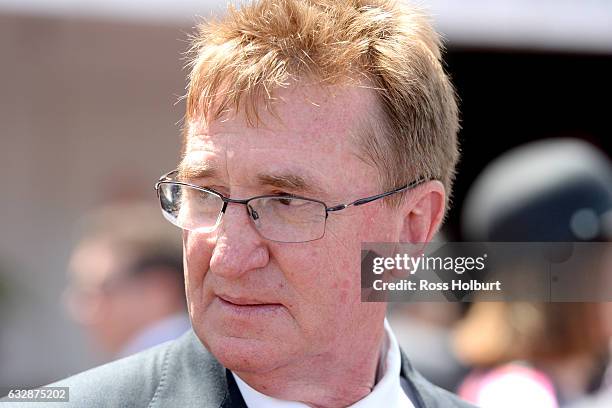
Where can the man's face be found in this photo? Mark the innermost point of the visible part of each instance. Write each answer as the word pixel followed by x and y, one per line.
pixel 259 305
pixel 100 297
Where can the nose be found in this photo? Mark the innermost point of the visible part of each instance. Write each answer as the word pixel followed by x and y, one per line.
pixel 238 247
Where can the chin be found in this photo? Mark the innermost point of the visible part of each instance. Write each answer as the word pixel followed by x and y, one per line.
pixel 245 354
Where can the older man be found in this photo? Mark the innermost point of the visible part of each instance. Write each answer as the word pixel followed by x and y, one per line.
pixel 311 127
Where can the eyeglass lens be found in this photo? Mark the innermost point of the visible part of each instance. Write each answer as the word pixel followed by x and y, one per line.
pixel 283 219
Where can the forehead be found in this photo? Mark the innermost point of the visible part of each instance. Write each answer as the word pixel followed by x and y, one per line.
pixel 306 111
pixel 310 129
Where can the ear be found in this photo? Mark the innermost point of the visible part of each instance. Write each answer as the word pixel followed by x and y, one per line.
pixel 423 210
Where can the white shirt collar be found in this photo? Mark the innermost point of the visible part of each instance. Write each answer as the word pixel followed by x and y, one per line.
pixel 386 393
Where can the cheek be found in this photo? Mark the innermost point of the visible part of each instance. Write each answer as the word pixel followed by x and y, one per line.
pixel 323 280
pixel 305 287
pixel 342 251
pixel 197 252
pixel 380 225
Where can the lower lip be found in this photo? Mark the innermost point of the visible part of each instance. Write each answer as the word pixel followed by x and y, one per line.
pixel 249 311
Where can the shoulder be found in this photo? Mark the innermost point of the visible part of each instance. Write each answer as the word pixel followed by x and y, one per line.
pixel 130 381
pixel 177 373
pixel 435 397
pixel 425 394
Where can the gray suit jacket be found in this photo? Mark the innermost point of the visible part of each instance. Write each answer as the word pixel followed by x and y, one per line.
pixel 182 373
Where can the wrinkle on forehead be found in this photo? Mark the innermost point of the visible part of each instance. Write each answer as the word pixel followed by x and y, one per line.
pixel 321 126
pixel 309 107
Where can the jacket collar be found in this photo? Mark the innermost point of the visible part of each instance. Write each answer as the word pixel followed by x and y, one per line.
pixel 194 377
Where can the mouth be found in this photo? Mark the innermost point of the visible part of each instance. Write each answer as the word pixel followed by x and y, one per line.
pixel 239 301
pixel 244 307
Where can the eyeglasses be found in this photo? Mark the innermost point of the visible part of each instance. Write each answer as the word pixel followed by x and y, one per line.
pixel 280 218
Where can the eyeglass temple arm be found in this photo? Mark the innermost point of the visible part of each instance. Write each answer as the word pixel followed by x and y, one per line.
pixel 366 200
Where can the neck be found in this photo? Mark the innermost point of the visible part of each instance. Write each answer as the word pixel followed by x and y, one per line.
pixel 335 379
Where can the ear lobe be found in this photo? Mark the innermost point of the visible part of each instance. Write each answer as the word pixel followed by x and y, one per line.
pixel 423 211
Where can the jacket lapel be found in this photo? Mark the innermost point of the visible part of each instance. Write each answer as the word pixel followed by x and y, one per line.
pixel 409 380
pixel 234 397
pixel 193 378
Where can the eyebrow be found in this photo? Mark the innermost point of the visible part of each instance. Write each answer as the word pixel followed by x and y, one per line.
pixel 283 181
pixel 191 171
pixel 289 181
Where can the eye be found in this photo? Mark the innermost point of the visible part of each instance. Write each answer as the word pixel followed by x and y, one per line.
pixel 285 201
pixel 283 196
pixel 294 203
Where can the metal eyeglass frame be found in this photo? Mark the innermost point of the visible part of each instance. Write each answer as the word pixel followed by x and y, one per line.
pixel 167 178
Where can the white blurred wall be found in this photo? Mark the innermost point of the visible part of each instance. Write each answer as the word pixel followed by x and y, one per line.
pixel 87 115
pixel 559 25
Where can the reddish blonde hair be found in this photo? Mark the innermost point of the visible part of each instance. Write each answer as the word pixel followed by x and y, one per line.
pixel 239 60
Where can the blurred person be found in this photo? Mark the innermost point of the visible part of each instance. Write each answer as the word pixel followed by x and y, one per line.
pixel 536 354
pixel 126 279
pixel 311 127
pixel 531 354
pixel 602 397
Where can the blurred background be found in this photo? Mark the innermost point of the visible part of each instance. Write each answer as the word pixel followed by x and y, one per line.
pixel 90 116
